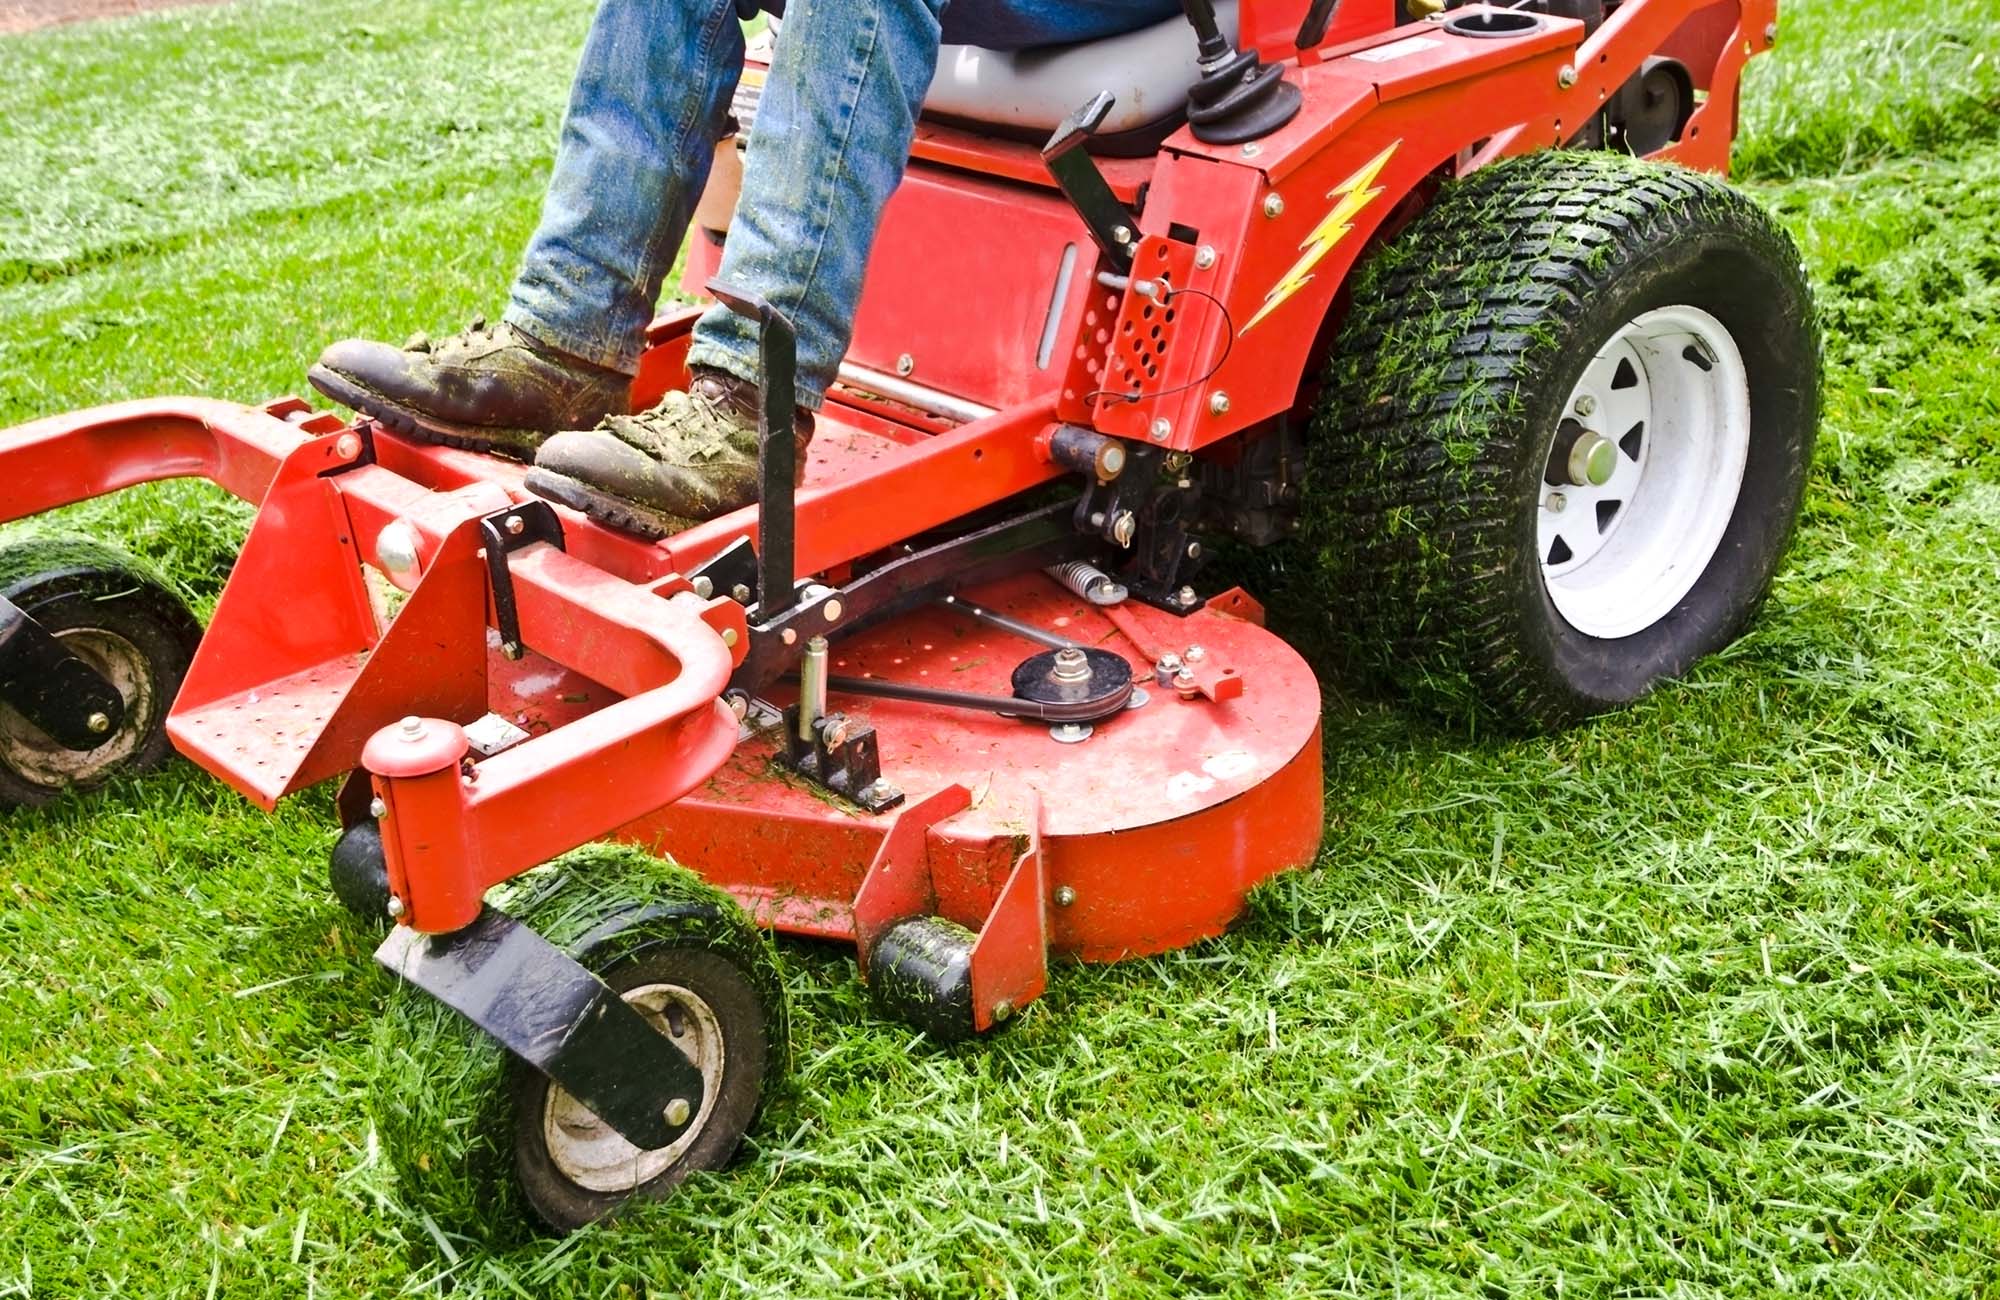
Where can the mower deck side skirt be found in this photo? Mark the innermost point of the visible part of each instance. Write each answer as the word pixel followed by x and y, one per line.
pixel 550 1011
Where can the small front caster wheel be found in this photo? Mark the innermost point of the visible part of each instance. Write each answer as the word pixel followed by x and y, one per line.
pixel 121 620
pixel 462 1121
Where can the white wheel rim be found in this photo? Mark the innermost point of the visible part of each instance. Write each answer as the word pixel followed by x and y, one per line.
pixel 34 757
pixel 589 1152
pixel 1670 389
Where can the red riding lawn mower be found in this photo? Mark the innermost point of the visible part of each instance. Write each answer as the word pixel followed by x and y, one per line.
pixel 1423 288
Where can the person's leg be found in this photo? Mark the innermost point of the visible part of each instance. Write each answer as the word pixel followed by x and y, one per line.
pixel 827 150
pixel 647 105
pixel 651 91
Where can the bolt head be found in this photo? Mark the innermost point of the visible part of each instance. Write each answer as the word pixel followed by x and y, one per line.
pixel 1771 33
pixel 729 637
pixel 1218 403
pixel 1204 257
pixel 396 552
pixel 411 728
pixel 740 594
pixel 678 1111
pixel 704 587
pixel 515 525
pixel 1064 896
pixel 1003 1010
pixel 906 364
pixel 99 723
pixel 347 446
pixel 1194 655
pixel 396 907
pixel 1274 205
pixel 1252 149
pixel 832 610
pixel 1185 595
pixel 1586 404
pixel 1593 460
pixel 1160 430
pixel 1194 550
pixel 790 636
pixel 1123 234
pixel 377 809
pixel 1567 77
pixel 1124 527
pixel 1555 503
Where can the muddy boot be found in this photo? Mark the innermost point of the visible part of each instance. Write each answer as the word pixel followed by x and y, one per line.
pixel 690 458
pixel 492 388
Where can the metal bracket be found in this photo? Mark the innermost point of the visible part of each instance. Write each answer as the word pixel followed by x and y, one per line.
pixel 504 532
pixel 843 756
pixel 549 1010
pixel 52 688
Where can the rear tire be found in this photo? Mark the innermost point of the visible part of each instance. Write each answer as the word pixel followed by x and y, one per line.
pixel 1541 297
pixel 122 619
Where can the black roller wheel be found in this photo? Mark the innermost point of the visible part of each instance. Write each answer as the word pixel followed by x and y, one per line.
pixel 469 1128
pixel 121 619
pixel 1565 437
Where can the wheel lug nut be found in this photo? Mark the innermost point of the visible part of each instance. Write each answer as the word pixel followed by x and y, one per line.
pixel 1586 404
pixel 1554 503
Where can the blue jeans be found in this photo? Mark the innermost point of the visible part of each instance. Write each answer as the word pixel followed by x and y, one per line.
pixel 827 150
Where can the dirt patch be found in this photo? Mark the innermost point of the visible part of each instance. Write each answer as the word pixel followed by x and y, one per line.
pixel 23 15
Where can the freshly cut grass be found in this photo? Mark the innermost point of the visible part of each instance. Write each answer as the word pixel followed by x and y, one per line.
pixel 1699 1000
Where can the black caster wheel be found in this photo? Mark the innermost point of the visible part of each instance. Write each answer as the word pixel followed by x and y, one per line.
pixel 124 622
pixel 921 973
pixel 468 1127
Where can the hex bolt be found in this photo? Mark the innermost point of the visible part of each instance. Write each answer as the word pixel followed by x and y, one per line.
pixel 1064 896
pixel 1194 655
pixel 906 364
pixel 1252 149
pixel 1185 595
pixel 704 587
pixel 1274 205
pixel 396 906
pixel 98 723
pixel 1160 429
pixel 1218 403
pixel 1123 234
pixel 740 593
pixel 1555 502
pixel 1566 77
pixel 1165 670
pixel 1071 665
pixel 678 1111
pixel 1586 404
pixel 377 809
pixel 1003 1010
pixel 1204 257
pixel 411 728
pixel 516 525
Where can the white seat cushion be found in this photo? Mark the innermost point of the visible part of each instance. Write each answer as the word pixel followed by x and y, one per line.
pixel 1149 71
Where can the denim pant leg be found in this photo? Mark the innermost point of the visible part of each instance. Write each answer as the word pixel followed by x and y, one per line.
pixel 649 99
pixel 828 148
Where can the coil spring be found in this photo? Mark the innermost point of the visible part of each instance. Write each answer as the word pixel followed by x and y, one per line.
pixel 1086 580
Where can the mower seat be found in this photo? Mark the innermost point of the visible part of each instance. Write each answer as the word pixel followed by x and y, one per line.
pixel 1149 72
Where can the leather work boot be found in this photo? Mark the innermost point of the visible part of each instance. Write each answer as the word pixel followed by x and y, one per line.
pixel 491 388
pixel 691 457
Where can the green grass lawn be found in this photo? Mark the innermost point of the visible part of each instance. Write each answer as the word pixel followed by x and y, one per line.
pixel 1696 999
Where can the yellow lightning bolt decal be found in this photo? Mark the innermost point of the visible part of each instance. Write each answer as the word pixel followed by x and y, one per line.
pixel 1354 194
